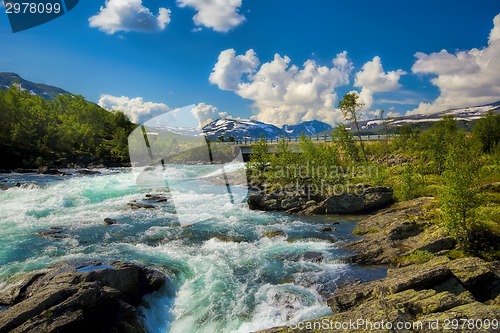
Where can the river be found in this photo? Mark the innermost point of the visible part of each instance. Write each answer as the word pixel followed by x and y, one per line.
pixel 216 285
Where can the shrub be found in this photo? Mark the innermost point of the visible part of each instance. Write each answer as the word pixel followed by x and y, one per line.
pixel 487 131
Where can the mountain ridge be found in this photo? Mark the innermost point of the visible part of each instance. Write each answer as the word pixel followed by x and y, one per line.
pixel 46 91
pixel 465 116
pixel 240 129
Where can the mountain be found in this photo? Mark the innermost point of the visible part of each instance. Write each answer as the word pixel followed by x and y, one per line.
pixel 37 89
pixel 308 128
pixel 240 129
pixel 465 117
pixel 248 128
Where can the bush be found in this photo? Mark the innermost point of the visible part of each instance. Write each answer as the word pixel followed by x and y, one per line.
pixel 487 131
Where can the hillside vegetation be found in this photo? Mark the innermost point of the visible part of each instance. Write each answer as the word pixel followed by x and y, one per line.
pixel 68 129
pixel 461 169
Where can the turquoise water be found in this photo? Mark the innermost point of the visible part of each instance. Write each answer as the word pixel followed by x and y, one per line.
pixel 216 286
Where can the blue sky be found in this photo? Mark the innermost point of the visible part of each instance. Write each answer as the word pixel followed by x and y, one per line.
pixel 394 55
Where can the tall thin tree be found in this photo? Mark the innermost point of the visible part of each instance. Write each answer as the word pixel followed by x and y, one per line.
pixel 351 111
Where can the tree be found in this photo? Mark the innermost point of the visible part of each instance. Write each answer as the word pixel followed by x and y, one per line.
pixel 404 134
pixel 259 159
pixel 283 163
pixel 407 178
pixel 346 141
pixel 487 131
pixel 351 111
pixel 459 193
pixel 386 132
pixel 436 142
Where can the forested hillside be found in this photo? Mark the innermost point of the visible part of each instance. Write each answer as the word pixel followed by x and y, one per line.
pixel 60 132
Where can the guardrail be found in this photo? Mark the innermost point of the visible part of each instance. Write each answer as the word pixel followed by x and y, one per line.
pixel 314 138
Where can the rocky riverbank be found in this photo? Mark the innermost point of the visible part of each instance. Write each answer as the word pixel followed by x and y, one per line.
pixel 79 297
pixel 430 285
pixel 361 200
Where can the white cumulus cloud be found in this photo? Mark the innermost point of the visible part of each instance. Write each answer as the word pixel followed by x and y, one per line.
pixel 373 79
pixel 136 109
pixel 230 68
pixel 220 15
pixel 129 15
pixel 207 113
pixel 465 78
pixel 283 93
pixel 495 32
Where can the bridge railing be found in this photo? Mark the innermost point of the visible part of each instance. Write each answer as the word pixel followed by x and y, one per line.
pixel 314 138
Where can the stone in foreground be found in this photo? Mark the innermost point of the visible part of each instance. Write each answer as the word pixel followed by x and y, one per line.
pixel 79 297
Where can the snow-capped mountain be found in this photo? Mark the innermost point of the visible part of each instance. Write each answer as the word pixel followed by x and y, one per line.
pixel 248 128
pixel 38 89
pixel 465 115
pixel 308 128
pixel 240 129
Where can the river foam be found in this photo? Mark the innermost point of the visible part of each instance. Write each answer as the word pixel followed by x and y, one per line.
pixel 225 277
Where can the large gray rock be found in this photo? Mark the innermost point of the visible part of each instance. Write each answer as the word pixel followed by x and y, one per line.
pixel 371 199
pixel 79 297
pixel 276 201
pixel 44 170
pixel 367 200
pixel 477 276
pixel 391 234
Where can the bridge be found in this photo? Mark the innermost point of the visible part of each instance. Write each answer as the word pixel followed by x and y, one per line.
pixel 313 138
pixel 245 144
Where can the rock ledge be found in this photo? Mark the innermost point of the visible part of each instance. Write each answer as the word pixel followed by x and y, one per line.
pixel 87 296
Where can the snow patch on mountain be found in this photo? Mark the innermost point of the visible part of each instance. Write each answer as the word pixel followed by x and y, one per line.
pixel 241 129
pixel 467 114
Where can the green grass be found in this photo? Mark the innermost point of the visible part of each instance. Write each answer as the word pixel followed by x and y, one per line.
pixel 457 254
pixel 417 257
pixel 361 232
